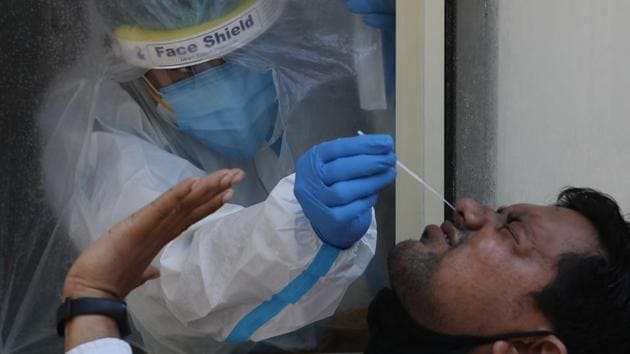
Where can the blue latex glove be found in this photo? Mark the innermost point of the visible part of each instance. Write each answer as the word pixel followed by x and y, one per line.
pixel 380 14
pixel 337 184
pixel 376 13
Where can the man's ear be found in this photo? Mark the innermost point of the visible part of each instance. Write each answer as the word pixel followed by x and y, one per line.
pixel 547 345
pixel 503 347
pixel 534 345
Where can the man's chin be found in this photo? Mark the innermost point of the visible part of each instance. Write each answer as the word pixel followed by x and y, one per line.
pixel 412 266
pixel 412 262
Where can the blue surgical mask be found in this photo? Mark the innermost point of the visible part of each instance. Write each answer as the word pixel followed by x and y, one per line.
pixel 229 108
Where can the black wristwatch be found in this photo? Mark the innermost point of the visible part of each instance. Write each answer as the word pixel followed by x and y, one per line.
pixel 116 309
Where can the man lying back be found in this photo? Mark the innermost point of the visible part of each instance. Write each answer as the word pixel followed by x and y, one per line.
pixel 521 279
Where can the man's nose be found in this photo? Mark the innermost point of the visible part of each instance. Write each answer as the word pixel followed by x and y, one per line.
pixel 474 216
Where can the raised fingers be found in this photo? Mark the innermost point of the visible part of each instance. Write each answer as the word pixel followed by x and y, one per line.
pixel 208 187
pixel 209 207
pixel 206 196
pixel 144 220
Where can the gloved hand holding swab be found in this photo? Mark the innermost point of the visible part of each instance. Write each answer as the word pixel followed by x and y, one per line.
pixel 419 179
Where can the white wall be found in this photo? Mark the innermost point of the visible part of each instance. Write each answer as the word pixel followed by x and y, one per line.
pixel 563 100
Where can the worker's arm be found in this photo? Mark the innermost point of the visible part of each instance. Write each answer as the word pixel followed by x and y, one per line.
pixel 241 273
pixel 119 261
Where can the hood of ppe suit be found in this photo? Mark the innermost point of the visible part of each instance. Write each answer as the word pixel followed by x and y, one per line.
pixel 163 14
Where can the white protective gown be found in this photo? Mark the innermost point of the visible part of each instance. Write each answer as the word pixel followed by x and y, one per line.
pixel 242 273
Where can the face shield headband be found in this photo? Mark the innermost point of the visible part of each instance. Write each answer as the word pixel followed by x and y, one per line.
pixel 392 330
pixel 169 49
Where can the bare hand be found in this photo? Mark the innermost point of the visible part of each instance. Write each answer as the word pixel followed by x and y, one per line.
pixel 119 261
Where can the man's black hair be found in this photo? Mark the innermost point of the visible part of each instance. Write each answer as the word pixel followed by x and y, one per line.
pixel 588 302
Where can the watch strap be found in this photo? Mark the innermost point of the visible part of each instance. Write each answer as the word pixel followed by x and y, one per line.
pixel 116 309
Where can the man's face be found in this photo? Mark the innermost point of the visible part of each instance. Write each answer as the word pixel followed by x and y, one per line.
pixel 481 281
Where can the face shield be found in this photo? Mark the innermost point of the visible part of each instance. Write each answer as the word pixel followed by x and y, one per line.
pixel 226 106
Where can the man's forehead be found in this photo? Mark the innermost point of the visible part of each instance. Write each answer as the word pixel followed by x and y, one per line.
pixel 536 210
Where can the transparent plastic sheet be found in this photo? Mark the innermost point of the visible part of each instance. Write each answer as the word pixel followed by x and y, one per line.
pixel 312 53
pixel 39 40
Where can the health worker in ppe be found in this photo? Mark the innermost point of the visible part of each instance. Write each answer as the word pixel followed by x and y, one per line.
pixel 188 87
